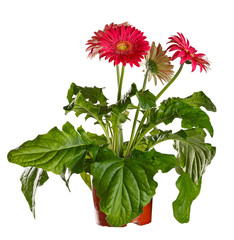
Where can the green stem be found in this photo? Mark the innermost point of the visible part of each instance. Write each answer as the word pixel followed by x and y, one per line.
pixel 169 84
pixel 135 118
pixel 140 126
pixel 117 71
pixel 118 142
pixel 106 132
pixel 136 140
pixel 120 84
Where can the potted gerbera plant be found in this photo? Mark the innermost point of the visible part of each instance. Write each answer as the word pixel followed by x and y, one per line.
pixel 121 171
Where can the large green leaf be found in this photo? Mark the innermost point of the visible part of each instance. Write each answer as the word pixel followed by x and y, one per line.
pixel 124 186
pixel 177 108
pixel 83 160
pixel 54 150
pixel 188 191
pixel 193 153
pixel 188 109
pixel 31 179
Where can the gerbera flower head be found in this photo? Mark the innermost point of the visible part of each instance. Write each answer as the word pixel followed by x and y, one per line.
pixel 187 53
pixel 158 64
pixel 120 43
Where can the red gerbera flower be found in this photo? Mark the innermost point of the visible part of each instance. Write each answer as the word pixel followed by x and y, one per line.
pixel 187 53
pixel 119 43
pixel 94 41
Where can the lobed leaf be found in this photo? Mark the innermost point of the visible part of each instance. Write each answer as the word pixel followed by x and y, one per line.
pixel 54 150
pixel 178 108
pixel 199 99
pixel 81 106
pixel 93 94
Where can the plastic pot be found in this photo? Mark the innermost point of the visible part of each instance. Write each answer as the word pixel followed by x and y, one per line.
pixel 142 219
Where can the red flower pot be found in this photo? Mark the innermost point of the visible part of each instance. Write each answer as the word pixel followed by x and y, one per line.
pixel 142 219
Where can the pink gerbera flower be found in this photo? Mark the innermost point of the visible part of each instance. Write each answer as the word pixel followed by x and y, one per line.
pixel 93 43
pixel 119 43
pixel 187 53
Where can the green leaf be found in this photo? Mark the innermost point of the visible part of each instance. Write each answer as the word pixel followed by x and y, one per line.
pixel 188 191
pixel 87 179
pixel 124 186
pixel 54 150
pixel 89 101
pixel 125 102
pixel 156 137
pixel 98 139
pixel 146 99
pixel 81 106
pixel 93 94
pixel 164 162
pixel 194 155
pixel 131 106
pixel 199 99
pixel 179 108
pixel 31 179
pixel 77 166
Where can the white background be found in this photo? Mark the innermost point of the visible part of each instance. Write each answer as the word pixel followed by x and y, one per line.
pixel 42 50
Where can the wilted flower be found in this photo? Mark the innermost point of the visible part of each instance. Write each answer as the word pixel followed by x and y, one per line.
pixel 158 64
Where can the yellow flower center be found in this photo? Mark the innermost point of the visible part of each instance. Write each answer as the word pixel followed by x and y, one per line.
pixel 123 46
pixel 187 51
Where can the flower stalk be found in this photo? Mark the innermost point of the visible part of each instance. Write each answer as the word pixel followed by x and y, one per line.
pixel 169 84
pixel 118 134
pixel 137 139
pixel 120 83
pixel 135 119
